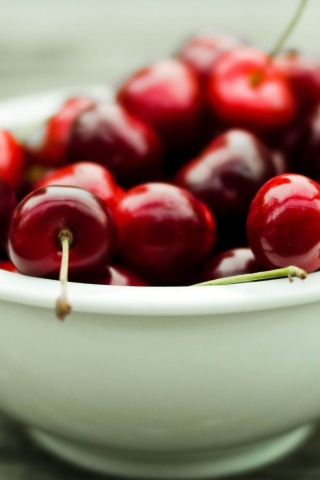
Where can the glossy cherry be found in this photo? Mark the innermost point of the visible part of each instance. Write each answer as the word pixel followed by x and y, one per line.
pixel 236 261
pixel 229 172
pixel 109 135
pixel 12 160
pixel 202 51
pixel 91 176
pixel 303 73
pixel 37 224
pixel 7 205
pixel 283 223
pixel 117 276
pixel 164 231
pixel 8 266
pixel 246 89
pixel 167 96
pixel 48 145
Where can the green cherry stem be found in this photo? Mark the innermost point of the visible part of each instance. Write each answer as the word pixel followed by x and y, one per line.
pixel 289 272
pixel 293 22
pixel 258 76
pixel 63 307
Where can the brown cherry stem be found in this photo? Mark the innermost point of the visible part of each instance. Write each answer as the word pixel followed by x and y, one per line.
pixel 63 307
pixel 257 77
pixel 289 272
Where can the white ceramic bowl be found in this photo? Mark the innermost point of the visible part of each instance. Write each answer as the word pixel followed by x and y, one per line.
pixel 161 382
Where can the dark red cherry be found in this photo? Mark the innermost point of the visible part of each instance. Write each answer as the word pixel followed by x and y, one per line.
pixel 283 225
pixel 109 135
pixel 7 205
pixel 48 145
pixel 301 143
pixel 303 73
pixel 91 176
pixel 8 266
pixel 12 160
pixel 236 261
pixel 117 276
pixel 164 231
pixel 45 215
pixel 202 51
pixel 229 172
pixel 247 90
pixel 167 96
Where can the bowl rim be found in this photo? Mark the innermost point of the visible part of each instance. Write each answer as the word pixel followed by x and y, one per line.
pixel 162 301
pixel 159 301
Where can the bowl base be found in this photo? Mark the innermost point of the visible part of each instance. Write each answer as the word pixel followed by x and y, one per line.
pixel 185 465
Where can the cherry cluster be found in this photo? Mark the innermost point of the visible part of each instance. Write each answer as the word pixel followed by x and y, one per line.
pixel 206 164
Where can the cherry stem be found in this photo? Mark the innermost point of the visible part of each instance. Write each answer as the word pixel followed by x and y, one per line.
pixel 257 77
pixel 63 307
pixel 289 272
pixel 293 22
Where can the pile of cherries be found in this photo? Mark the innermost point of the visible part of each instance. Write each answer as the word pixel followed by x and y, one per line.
pixel 206 164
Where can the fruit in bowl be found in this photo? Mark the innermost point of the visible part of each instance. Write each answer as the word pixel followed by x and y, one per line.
pixel 154 375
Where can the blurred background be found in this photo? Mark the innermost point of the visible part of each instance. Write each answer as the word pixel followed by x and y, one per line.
pixel 49 44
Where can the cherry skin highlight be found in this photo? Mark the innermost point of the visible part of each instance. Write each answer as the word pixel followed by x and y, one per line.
pixel 229 172
pixel 167 96
pixel 164 232
pixel 236 261
pixel 88 175
pixel 247 90
pixel 202 51
pixel 283 224
pixel 107 134
pixel 38 220
pixel 48 145
pixel 12 160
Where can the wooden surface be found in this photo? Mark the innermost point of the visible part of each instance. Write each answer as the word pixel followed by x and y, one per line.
pixel 20 459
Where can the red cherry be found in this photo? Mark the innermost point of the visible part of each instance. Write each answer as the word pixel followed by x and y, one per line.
pixel 167 96
pixel 230 171
pixel 8 266
pixel 247 90
pixel 7 205
pixel 115 275
pixel 109 135
pixel 202 51
pixel 283 225
pixel 12 160
pixel 164 231
pixel 39 220
pixel 236 261
pixel 303 73
pixel 48 145
pixel 91 176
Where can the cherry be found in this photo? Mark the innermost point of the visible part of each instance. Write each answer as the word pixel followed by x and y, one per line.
pixel 202 51
pixel 303 73
pixel 7 205
pixel 57 221
pixel 164 232
pixel 229 172
pixel 283 224
pixel 48 145
pixel 8 266
pixel 247 90
pixel 12 160
pixel 109 135
pixel 115 275
pixel 167 96
pixel 236 261
pixel 91 176
pixel 301 143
